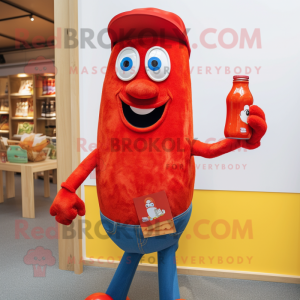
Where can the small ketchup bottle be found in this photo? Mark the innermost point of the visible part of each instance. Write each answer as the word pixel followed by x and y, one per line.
pixel 238 103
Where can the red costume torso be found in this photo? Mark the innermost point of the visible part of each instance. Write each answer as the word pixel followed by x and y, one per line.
pixel 161 159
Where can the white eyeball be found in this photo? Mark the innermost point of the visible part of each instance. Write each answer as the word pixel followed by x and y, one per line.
pixel 127 63
pixel 157 63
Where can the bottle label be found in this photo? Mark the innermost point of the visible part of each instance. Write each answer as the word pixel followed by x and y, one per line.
pixel 244 114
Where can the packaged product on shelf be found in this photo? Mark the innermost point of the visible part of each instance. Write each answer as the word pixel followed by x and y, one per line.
pixel 52 109
pixel 52 130
pixel 3 156
pixel 5 105
pixel 49 86
pixel 54 89
pixel 47 109
pixel 45 89
pixel 4 125
pixel 3 149
pixel 19 112
pixel 26 127
pixel 30 108
pixel 25 109
pixel 3 143
pixel 35 145
pixel 52 147
pixel 26 87
pixel 43 109
pixel 48 130
pixel 15 154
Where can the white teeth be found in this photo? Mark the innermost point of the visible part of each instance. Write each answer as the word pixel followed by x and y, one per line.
pixel 141 111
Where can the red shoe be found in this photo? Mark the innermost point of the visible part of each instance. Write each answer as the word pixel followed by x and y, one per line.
pixel 101 296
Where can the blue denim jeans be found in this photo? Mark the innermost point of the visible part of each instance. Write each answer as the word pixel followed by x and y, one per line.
pixel 130 239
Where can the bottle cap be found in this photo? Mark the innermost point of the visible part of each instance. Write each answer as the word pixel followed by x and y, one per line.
pixel 241 78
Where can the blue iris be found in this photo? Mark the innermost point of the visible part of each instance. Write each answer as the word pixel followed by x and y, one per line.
pixel 154 63
pixel 126 64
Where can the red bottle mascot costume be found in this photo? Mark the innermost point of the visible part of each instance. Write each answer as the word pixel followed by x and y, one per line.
pixel 145 124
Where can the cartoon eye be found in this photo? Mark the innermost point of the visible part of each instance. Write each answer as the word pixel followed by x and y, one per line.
pixel 36 68
pixel 147 205
pixel 35 258
pixel 45 68
pixel 152 204
pixel 127 63
pixel 247 112
pixel 157 63
pixel 43 258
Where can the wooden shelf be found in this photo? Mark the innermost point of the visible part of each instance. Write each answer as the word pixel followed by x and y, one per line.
pixel 39 122
pixel 45 97
pixel 4 131
pixel 4 112
pixel 42 118
pixel 22 118
pixel 17 136
pixel 3 96
pixel 20 95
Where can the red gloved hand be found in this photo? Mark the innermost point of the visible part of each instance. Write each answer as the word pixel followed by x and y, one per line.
pixel 257 121
pixel 66 206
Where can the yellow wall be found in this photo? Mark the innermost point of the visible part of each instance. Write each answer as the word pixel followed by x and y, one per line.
pixel 214 237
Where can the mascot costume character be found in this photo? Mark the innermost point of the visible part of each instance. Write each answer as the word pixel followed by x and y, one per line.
pixel 146 101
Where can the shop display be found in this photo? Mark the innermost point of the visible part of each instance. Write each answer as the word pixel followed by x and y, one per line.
pixel 21 103
pixel 15 154
pixel 238 103
pixel 26 127
pixel 36 146
pixel 26 87
pixel 145 168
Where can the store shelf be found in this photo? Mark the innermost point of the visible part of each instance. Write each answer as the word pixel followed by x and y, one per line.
pixel 42 118
pixel 4 131
pixel 45 97
pixel 4 96
pixel 22 118
pixel 21 95
pixel 4 112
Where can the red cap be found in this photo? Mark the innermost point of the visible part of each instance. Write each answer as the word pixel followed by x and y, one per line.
pixel 137 21
pixel 240 77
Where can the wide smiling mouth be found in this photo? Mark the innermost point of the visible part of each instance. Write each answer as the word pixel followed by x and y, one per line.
pixel 146 116
pixel 142 117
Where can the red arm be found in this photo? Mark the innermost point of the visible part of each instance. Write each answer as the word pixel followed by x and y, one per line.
pixel 79 175
pixel 256 120
pixel 67 204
